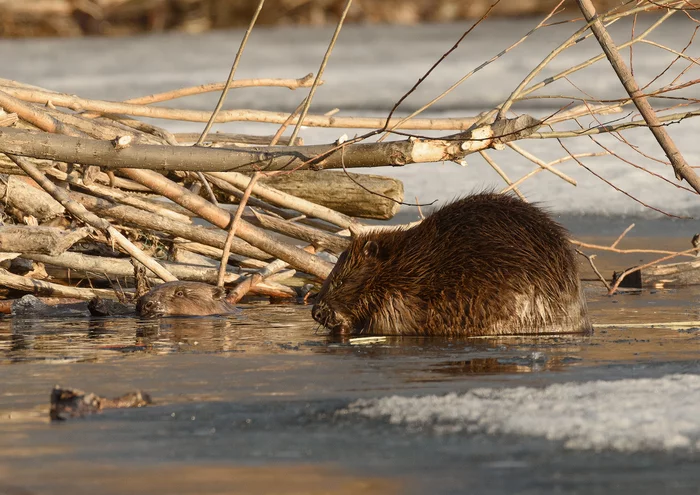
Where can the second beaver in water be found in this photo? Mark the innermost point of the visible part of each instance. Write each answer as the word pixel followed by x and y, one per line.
pixel 487 264
pixel 184 299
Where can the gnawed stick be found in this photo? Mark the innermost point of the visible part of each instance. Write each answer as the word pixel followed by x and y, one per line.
pixel 334 243
pixel 234 226
pixel 355 155
pixel 279 198
pixel 150 221
pixel 74 403
pixel 46 240
pixel 221 218
pixel 79 211
pixel 41 288
pixel 122 268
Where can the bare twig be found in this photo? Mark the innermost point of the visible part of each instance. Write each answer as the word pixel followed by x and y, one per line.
pixel 680 166
pixel 619 238
pixel 503 175
pixel 302 82
pixel 319 74
pixel 234 225
pixel 598 274
pixel 621 277
pixel 224 92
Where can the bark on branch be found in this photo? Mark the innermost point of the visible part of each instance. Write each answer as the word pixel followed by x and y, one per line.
pixel 160 157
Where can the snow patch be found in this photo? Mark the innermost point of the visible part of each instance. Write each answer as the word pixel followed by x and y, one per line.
pixel 624 415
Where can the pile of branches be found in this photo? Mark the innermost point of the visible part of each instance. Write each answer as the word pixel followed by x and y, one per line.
pixel 89 188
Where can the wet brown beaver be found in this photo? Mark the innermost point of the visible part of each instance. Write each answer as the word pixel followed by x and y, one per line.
pixel 487 264
pixel 184 299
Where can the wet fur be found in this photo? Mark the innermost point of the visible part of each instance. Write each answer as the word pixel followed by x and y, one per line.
pixel 184 299
pixel 487 264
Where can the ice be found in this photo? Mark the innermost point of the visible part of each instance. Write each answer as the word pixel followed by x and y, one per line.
pixel 628 415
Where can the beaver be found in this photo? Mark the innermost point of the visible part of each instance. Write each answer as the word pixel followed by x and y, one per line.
pixel 184 299
pixel 486 264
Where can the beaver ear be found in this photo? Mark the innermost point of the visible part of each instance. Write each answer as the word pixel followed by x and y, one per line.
pixel 218 293
pixel 371 249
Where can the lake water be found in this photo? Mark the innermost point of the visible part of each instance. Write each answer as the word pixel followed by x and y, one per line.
pixel 264 403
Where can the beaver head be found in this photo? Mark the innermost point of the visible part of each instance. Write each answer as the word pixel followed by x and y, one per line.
pixel 184 299
pixel 360 295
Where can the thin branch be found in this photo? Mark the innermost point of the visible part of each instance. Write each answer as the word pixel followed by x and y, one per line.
pixel 503 175
pixel 302 82
pixel 541 163
pixel 674 118
pixel 621 277
pixel 680 166
pixel 599 247
pixel 321 69
pixel 623 191
pixel 595 269
pixel 239 54
pixel 456 84
pixel 619 238
pixel 234 226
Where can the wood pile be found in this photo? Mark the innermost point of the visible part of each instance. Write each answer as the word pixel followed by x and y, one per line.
pixel 79 225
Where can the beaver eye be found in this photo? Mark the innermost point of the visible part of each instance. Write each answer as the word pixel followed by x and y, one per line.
pixel 180 293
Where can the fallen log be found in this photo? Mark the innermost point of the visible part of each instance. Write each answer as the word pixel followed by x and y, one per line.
pixel 661 276
pixel 356 195
pixel 122 268
pixel 41 288
pixel 45 240
pixel 143 219
pixel 17 193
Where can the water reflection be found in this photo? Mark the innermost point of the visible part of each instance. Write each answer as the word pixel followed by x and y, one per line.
pixel 81 339
pixel 290 329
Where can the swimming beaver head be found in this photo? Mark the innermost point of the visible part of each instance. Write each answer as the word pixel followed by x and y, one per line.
pixel 487 264
pixel 184 299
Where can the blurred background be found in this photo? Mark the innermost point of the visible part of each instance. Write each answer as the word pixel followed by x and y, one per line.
pixel 20 18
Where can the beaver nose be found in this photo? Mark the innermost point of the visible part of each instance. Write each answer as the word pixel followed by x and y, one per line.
pixel 317 312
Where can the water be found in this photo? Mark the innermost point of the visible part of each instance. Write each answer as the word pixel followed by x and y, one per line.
pixel 263 395
pixel 262 402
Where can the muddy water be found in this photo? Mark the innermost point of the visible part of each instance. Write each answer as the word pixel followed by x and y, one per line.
pixel 249 404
